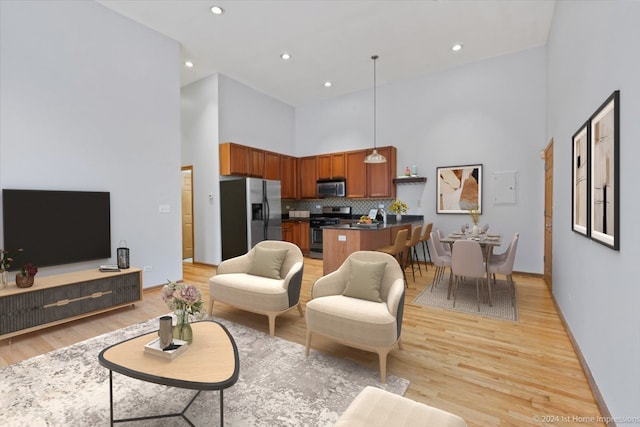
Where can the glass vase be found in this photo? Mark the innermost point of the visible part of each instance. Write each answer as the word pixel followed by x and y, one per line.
pixel 182 330
pixel 4 277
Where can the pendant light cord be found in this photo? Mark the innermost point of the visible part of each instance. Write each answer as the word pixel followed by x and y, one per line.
pixel 374 57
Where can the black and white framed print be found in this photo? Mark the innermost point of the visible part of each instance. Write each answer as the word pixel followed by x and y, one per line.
pixel 605 173
pixel 580 180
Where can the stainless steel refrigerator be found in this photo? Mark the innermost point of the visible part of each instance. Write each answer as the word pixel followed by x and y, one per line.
pixel 250 212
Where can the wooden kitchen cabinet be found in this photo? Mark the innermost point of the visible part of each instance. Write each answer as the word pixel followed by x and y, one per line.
pixel 356 174
pixel 287 231
pixel 234 159
pixel 272 168
pixel 256 162
pixel 308 177
pixel 298 233
pixel 288 177
pixel 380 175
pixel 305 237
pixel 370 179
pixel 331 165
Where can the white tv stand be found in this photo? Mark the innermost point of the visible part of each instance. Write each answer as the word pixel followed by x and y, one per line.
pixel 61 298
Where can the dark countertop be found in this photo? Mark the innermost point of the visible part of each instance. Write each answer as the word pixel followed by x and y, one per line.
pixel 391 223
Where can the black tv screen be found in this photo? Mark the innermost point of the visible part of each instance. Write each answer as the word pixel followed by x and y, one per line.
pixel 56 227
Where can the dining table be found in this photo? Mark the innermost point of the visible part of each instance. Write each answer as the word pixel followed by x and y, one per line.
pixel 487 242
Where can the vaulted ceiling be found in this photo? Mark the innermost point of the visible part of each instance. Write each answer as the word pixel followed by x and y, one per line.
pixel 333 40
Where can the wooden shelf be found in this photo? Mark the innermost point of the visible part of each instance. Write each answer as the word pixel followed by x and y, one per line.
pixel 410 180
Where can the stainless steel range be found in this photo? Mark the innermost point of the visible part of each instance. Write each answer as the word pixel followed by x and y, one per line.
pixel 331 215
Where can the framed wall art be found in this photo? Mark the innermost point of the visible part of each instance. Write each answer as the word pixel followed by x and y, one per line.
pixel 605 173
pixel 580 180
pixel 459 189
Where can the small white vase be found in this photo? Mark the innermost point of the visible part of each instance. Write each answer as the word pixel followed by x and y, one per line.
pixel 475 231
pixel 398 217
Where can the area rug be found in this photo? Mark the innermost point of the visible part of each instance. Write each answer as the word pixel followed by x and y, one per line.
pixel 467 301
pixel 278 386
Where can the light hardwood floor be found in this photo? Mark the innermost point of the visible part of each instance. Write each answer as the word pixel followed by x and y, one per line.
pixel 490 372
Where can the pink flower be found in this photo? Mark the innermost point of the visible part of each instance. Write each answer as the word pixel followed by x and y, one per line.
pixel 190 294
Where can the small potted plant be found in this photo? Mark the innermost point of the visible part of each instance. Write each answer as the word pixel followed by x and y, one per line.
pixel 398 207
pixel 25 277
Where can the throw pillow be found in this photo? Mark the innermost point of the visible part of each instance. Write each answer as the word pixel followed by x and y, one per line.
pixel 267 262
pixel 365 279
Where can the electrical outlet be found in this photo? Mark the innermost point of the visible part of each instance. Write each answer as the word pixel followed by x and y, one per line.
pixel 147 268
pixel 419 203
pixel 318 206
pixel 380 206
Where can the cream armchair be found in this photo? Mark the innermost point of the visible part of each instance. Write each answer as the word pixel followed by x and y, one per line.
pixel 360 305
pixel 266 280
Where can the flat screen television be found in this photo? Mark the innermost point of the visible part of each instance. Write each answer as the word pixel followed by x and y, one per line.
pixel 56 227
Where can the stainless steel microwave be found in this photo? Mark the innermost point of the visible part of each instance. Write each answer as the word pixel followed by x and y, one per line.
pixel 331 187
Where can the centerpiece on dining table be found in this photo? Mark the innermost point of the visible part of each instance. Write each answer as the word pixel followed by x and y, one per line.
pixel 474 212
pixel 186 301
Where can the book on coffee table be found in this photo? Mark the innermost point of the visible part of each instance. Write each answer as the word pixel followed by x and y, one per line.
pixel 174 350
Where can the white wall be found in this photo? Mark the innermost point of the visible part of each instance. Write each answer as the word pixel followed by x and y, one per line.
pixel 90 101
pixel 218 109
pixel 251 118
pixel 491 113
pixel 592 51
pixel 199 105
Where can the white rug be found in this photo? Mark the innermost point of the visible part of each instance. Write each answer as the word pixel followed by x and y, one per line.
pixel 278 386
pixel 467 299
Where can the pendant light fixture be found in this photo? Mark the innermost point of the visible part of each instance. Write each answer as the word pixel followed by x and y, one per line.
pixel 374 157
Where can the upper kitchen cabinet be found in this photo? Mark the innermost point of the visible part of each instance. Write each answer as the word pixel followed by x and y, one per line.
pixel 288 177
pixel 331 165
pixel 368 179
pixel 356 173
pixel 272 169
pixel 308 177
pixel 234 159
pixel 380 175
pixel 256 162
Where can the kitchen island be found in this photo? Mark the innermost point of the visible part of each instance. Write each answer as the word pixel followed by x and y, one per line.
pixel 339 241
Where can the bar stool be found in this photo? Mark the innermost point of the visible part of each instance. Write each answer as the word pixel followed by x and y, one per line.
pixel 397 249
pixel 424 239
pixel 410 245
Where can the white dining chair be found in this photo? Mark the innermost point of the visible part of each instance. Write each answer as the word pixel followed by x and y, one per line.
pixel 440 260
pixel 467 263
pixel 446 248
pixel 503 264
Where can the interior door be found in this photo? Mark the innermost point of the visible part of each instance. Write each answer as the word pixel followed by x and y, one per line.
pixel 187 213
pixel 548 214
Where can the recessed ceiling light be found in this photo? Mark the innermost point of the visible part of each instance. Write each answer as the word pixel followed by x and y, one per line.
pixel 188 64
pixel 456 47
pixel 327 84
pixel 286 56
pixel 217 10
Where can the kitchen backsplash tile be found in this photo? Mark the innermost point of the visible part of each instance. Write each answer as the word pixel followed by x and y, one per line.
pixel 358 207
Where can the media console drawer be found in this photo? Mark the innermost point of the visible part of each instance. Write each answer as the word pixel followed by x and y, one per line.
pixel 65 297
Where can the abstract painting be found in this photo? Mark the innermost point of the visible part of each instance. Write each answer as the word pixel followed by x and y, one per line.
pixel 459 189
